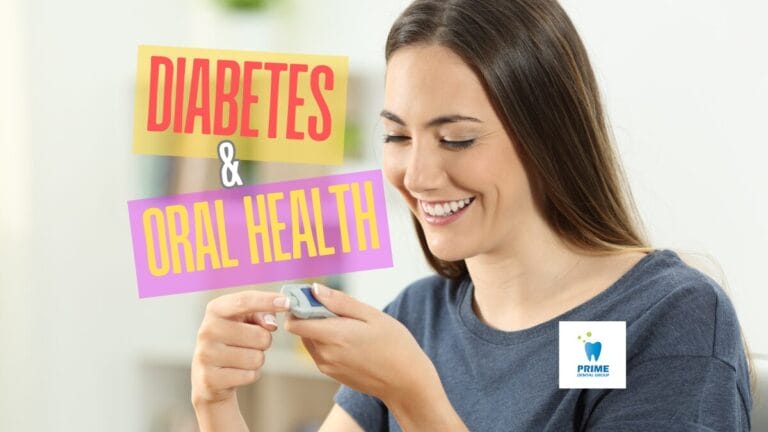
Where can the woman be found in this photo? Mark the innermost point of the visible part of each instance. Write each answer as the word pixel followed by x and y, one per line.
pixel 497 141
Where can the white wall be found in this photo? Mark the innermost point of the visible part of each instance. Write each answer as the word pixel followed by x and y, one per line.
pixel 18 327
pixel 685 81
pixel 686 84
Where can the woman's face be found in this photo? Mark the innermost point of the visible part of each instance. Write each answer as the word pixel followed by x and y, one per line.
pixel 448 154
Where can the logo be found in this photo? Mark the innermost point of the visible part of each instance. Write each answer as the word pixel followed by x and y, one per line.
pixel 592 354
pixel 592 348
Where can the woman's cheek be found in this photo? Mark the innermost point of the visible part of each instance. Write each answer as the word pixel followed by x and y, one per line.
pixel 393 166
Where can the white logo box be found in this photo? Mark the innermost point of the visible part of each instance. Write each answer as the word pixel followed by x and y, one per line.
pixel 592 354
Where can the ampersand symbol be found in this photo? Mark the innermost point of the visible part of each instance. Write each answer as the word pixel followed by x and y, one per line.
pixel 229 175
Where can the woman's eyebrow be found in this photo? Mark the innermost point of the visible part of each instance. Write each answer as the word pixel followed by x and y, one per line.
pixel 437 121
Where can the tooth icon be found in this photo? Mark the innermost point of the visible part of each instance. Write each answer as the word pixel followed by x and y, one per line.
pixel 593 350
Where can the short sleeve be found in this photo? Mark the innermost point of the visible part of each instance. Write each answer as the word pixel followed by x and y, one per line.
pixel 674 393
pixel 369 412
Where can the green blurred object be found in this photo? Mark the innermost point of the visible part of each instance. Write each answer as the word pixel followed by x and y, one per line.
pixel 245 5
pixel 249 171
pixel 155 174
pixel 353 138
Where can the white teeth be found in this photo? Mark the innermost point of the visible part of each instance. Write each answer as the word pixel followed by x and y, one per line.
pixel 446 208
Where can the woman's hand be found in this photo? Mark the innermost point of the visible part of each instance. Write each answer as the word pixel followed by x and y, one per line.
pixel 373 353
pixel 364 348
pixel 233 336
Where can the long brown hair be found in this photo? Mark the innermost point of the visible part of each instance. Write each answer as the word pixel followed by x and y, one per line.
pixel 536 72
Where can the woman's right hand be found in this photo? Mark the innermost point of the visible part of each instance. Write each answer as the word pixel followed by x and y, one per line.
pixel 233 336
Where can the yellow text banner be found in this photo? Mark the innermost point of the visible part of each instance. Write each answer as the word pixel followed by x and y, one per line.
pixel 272 106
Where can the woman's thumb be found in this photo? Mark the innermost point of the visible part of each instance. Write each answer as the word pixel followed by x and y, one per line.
pixel 340 303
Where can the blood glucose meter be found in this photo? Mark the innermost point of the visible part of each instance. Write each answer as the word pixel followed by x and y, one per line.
pixel 304 305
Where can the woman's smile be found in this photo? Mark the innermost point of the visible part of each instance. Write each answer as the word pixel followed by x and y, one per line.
pixel 444 212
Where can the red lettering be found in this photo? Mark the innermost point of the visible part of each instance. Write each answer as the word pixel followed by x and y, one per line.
pixel 223 97
pixel 248 99
pixel 179 104
pixel 325 113
pixel 276 69
pixel 237 90
pixel 199 84
pixel 152 123
pixel 294 101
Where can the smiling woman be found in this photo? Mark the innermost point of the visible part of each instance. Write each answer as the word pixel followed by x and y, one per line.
pixel 497 141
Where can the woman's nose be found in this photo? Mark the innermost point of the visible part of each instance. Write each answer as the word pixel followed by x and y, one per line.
pixel 424 168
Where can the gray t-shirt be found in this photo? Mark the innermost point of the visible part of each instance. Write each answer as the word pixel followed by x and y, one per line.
pixel 686 367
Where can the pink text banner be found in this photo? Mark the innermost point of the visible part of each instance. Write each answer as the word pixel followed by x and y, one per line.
pixel 260 233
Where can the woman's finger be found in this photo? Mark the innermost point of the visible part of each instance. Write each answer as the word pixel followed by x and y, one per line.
pixel 225 356
pixel 342 304
pixel 326 330
pixel 243 303
pixel 264 319
pixel 235 333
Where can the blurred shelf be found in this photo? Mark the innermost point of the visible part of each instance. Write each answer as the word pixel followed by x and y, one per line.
pixel 279 361
pixel 290 362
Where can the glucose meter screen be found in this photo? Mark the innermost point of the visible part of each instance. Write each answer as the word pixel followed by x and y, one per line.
pixel 312 300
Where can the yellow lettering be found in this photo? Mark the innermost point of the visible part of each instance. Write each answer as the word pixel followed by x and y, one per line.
pixel 162 270
pixel 179 238
pixel 205 244
pixel 221 226
pixel 368 215
pixel 339 190
pixel 276 225
pixel 317 211
pixel 260 229
pixel 299 208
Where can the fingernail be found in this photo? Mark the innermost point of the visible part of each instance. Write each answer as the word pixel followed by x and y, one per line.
pixel 282 302
pixel 270 319
pixel 320 290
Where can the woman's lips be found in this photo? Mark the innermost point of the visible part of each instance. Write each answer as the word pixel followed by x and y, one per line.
pixel 444 212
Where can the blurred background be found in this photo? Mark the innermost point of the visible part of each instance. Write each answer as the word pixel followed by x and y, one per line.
pixel 685 84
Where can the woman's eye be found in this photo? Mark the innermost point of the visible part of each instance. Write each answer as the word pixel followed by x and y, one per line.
pixel 450 144
pixel 395 138
pixel 458 144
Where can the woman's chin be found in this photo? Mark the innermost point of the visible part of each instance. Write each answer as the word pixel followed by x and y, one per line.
pixel 447 252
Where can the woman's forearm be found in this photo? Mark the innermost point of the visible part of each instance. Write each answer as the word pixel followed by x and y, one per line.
pixel 425 406
pixel 220 416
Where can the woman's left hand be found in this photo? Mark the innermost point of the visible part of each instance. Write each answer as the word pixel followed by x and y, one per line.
pixel 364 348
